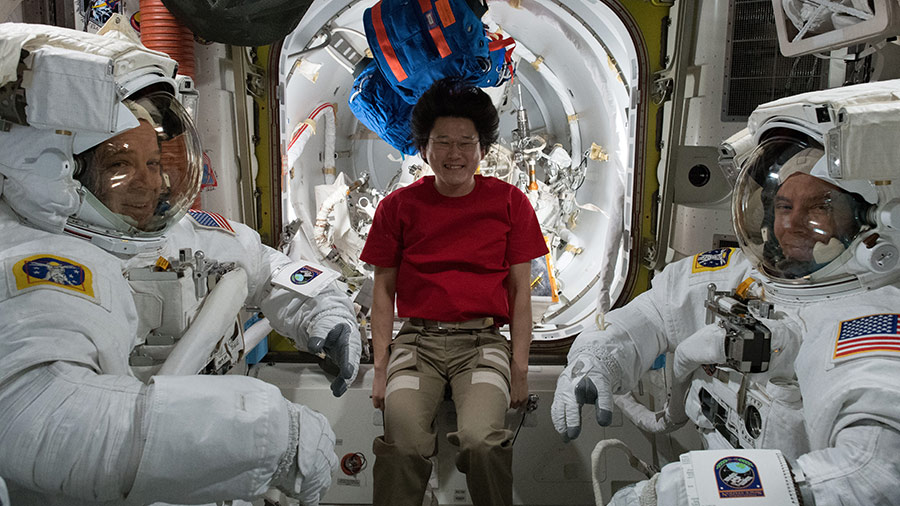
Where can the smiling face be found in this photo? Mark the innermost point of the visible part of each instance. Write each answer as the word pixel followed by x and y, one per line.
pixel 126 174
pixel 810 211
pixel 453 152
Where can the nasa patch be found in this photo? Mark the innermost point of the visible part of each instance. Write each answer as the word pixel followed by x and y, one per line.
pixel 52 271
pixel 304 275
pixel 305 278
pixel 738 477
pixel 712 260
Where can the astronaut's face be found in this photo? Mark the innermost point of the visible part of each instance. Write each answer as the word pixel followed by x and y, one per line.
pixel 809 214
pixel 453 152
pixel 127 173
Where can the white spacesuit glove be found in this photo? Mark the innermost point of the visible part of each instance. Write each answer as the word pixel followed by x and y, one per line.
pixel 706 346
pixel 341 343
pixel 586 380
pixel 305 471
pixel 665 488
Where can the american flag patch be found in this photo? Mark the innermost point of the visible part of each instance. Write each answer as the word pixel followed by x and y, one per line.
pixel 868 334
pixel 210 220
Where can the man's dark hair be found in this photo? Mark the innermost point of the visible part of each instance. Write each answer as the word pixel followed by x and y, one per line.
pixel 455 98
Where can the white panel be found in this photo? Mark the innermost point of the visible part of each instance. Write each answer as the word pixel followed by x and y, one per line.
pixel 883 23
pixel 215 123
pixel 546 471
pixel 694 229
pixel 703 125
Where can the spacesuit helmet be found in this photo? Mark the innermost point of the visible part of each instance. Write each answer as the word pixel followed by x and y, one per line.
pixel 791 219
pixel 816 201
pixel 138 182
pixel 93 141
pixel 805 230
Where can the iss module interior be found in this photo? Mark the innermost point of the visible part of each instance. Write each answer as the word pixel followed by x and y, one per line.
pixel 567 139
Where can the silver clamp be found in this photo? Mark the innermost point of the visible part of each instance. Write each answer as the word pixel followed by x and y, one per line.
pixel 748 343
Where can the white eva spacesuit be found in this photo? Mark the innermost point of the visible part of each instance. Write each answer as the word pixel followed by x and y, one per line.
pixel 796 348
pixel 98 166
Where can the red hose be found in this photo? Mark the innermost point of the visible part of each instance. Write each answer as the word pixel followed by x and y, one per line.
pixel 160 31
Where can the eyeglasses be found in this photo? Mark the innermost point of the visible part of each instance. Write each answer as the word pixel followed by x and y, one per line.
pixel 443 145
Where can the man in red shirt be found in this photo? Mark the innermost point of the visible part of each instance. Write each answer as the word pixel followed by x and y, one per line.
pixel 455 250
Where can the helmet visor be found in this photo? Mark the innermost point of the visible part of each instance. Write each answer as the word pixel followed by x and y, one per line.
pixel 790 223
pixel 147 177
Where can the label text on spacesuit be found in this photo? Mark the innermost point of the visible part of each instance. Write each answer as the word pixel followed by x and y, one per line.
pixel 711 260
pixel 53 271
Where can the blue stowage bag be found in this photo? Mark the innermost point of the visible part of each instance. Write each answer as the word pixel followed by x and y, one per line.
pixel 414 43
pixel 417 42
pixel 381 109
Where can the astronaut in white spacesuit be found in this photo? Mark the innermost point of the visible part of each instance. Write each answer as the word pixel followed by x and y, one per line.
pixel 100 277
pixel 790 362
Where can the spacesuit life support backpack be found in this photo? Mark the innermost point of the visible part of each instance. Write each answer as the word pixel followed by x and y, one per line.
pixel 414 43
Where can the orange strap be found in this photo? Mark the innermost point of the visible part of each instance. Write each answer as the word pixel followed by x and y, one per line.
pixel 385 43
pixel 445 12
pixel 445 18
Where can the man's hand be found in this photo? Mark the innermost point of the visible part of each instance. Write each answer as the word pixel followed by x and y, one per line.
pixel 584 381
pixel 342 345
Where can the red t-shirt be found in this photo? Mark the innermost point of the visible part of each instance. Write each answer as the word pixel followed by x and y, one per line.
pixel 453 253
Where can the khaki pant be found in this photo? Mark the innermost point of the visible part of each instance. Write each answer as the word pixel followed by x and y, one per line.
pixel 475 363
